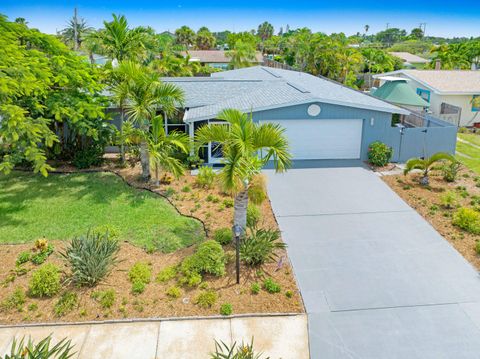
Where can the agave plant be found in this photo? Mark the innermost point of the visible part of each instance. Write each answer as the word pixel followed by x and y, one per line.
pixel 41 350
pixel 426 165
pixel 243 351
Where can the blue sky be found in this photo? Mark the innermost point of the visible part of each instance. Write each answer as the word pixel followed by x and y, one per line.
pixel 453 18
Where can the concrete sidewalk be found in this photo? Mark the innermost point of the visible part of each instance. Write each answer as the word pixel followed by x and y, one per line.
pixel 275 336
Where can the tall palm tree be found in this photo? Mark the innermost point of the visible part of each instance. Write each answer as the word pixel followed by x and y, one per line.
pixel 242 55
pixel 426 165
pixel 247 147
pixel 145 96
pixel 75 32
pixel 162 147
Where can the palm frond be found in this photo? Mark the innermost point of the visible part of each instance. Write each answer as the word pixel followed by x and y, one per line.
pixel 414 163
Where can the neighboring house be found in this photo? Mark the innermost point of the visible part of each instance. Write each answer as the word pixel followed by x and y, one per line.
pixel 322 119
pixel 397 91
pixel 216 58
pixel 410 60
pixel 453 95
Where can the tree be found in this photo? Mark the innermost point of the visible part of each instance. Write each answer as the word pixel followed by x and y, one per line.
pixel 162 149
pixel 21 20
pixel 245 37
pixel 367 27
pixel 204 39
pixel 145 96
pixel 185 36
pixel 93 44
pixel 265 31
pixel 247 147
pixel 417 33
pixel 44 86
pixel 390 36
pixel 242 55
pixel 377 61
pixel 120 42
pixel 75 32
pixel 426 165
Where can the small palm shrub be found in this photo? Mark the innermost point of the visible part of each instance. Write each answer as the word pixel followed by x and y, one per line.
pixel 140 275
pixel 379 154
pixel 223 236
pixel 467 219
pixel 205 177
pixel 253 216
pixel 45 281
pixel 450 171
pixel 271 286
pixel 91 257
pixel 67 302
pixel 206 299
pixel 449 200
pixel 106 298
pixel 242 351
pixel 42 350
pixel 426 165
pixel 260 246
pixel 257 190
pixel 226 309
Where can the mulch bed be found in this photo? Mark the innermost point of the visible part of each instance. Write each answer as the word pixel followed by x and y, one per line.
pixel 426 201
pixel 154 302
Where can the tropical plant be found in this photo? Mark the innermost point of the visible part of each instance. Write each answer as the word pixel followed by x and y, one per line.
pixel 260 246
pixel 41 350
pixel 204 40
pixel 45 281
pixel 450 171
pixel 253 216
pixel 257 189
pixel 91 257
pixel 205 177
pixel 241 55
pixel 185 36
pixel 75 32
pixel 247 147
pixel 449 199
pixel 223 235
pixel 379 154
pixel 163 148
pixel 242 351
pixel 426 165
pixel 145 95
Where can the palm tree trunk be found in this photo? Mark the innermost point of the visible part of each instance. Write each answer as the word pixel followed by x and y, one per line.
pixel 240 209
pixel 122 141
pixel 145 161
pixel 157 178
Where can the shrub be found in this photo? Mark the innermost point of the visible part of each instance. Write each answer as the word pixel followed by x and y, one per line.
pixel 209 258
pixel 242 351
pixel 379 154
pixel 91 257
pixel 139 275
pixel 206 299
pixel 449 200
pixel 289 294
pixel 45 281
pixel 271 286
pixel 228 202
pixel 260 246
pixel 255 288
pixel 226 309
pixel 253 216
pixel 23 257
pixel 43 349
pixel 450 171
pixel 223 236
pixel 206 177
pixel 174 292
pixel 257 192
pixel 41 251
pixel 14 300
pixel 91 156
pixel 166 274
pixel 468 219
pixel 67 302
pixel 106 298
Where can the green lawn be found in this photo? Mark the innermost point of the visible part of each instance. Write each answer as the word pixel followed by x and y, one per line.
pixel 63 206
pixel 473 153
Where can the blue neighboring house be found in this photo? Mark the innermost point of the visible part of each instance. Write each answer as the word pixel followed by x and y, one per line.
pixel 323 119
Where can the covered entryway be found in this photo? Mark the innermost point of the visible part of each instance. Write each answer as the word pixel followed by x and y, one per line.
pixel 323 139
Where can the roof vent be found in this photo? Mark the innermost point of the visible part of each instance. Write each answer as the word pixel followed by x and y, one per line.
pixel 298 88
pixel 272 73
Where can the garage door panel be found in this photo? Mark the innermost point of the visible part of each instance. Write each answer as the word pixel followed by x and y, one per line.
pixel 323 139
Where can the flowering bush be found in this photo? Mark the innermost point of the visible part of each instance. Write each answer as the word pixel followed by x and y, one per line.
pixel 379 154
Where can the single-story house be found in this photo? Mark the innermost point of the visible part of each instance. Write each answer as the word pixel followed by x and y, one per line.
pixel 410 60
pixel 216 58
pixel 453 95
pixel 322 119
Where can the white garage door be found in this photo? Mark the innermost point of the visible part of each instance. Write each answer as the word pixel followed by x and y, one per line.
pixel 323 139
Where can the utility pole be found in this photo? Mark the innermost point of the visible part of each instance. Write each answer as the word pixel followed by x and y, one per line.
pixel 388 24
pixel 75 30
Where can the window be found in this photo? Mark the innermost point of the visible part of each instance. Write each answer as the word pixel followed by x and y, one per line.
pixel 476 103
pixel 425 94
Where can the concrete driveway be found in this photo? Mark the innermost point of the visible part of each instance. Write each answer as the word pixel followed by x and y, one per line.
pixel 377 280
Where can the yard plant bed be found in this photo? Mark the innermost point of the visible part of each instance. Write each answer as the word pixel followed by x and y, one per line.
pixel 113 298
pixel 429 203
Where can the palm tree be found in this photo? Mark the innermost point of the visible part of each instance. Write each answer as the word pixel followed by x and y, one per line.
pixel 75 31
pixel 93 44
pixel 204 39
pixel 162 148
pixel 426 165
pixel 145 95
pixel 185 36
pixel 247 147
pixel 242 55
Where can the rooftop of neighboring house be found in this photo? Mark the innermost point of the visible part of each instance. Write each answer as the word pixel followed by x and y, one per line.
pixel 410 58
pixel 261 88
pixel 214 56
pixel 446 82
